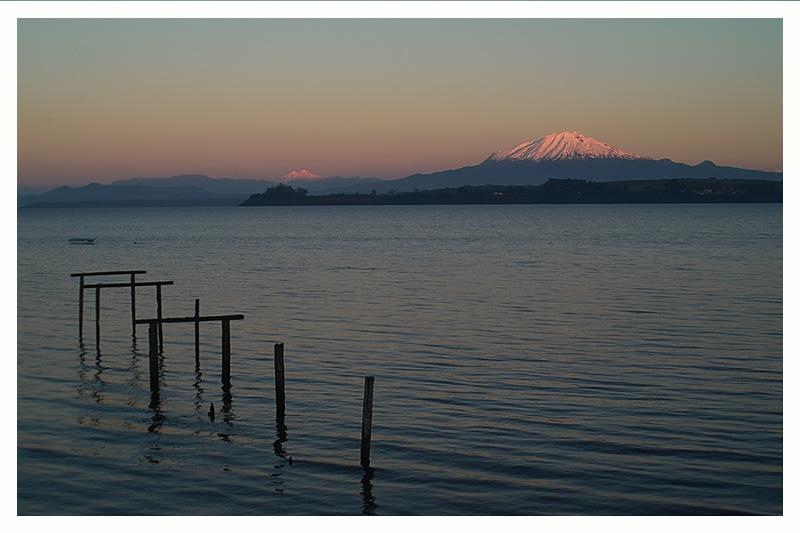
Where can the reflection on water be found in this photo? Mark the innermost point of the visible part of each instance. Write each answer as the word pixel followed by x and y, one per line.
pixel 133 375
pixel 91 375
pixel 280 431
pixel 199 402
pixel 227 404
pixel 158 418
pixel 533 360
pixel 369 504
pixel 280 451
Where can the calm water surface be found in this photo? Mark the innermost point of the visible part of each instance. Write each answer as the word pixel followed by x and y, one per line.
pixel 528 360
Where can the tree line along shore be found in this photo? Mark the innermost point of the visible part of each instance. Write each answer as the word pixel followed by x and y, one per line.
pixel 554 191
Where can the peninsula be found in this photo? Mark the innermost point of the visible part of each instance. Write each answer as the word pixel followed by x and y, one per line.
pixel 554 191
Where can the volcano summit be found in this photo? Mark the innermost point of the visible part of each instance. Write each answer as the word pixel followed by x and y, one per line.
pixel 562 146
pixel 565 155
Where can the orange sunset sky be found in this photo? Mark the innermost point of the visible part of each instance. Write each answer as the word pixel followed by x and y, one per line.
pixel 104 99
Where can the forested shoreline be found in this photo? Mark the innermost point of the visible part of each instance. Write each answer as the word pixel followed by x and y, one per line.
pixel 554 191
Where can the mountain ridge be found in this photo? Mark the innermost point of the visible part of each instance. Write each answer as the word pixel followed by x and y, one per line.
pixel 199 187
pixel 564 155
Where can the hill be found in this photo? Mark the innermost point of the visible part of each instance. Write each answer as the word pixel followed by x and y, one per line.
pixel 554 191
pixel 565 155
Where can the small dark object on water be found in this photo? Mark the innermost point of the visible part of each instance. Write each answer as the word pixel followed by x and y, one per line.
pixel 211 412
pixel 290 460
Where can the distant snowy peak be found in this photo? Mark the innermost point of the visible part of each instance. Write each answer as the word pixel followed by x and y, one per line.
pixel 303 174
pixel 562 146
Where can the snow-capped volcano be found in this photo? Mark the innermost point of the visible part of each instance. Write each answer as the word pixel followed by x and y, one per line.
pixel 303 174
pixel 562 146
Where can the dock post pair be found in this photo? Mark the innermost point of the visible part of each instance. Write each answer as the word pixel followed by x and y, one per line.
pixel 132 284
pixel 155 323
pixel 366 415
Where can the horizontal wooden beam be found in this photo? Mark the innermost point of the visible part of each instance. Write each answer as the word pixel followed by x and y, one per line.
pixel 189 319
pixel 109 273
pixel 127 284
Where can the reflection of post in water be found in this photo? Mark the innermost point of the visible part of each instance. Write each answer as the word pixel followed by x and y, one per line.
pixel 158 417
pixel 82 360
pixel 227 403
pixel 198 386
pixel 133 366
pixel 155 400
pixel 197 333
pixel 369 505
pixel 91 375
pixel 280 432
pixel 98 375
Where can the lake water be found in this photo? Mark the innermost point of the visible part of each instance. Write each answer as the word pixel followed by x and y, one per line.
pixel 528 360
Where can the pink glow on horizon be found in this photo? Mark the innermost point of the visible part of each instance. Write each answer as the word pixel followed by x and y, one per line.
pixel 385 98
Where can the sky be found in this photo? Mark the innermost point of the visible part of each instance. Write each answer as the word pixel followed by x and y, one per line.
pixel 101 99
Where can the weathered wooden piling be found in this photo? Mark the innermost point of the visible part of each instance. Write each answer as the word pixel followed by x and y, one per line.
pixel 366 420
pixel 280 388
pixel 132 284
pixel 98 286
pixel 158 314
pixel 133 302
pixel 80 310
pixel 226 351
pixel 226 337
pixel 197 332
pixel 97 317
pixel 153 337
pixel 83 286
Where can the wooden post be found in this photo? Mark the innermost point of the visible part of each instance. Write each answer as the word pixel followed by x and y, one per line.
pixel 280 388
pixel 97 317
pixel 133 303
pixel 226 351
pixel 226 335
pixel 132 285
pixel 366 420
pixel 80 310
pixel 153 336
pixel 197 332
pixel 158 314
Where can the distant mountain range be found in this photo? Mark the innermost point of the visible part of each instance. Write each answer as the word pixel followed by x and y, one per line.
pixel 186 189
pixel 565 155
